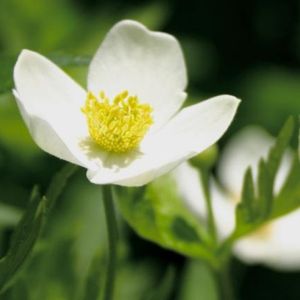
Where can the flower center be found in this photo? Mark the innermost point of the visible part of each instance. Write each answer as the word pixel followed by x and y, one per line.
pixel 119 125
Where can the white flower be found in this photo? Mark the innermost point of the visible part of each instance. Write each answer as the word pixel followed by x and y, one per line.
pixel 125 128
pixel 276 244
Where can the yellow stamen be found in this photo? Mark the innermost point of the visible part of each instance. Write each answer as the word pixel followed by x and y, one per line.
pixel 117 126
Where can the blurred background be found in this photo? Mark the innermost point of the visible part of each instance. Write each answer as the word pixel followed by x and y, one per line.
pixel 250 50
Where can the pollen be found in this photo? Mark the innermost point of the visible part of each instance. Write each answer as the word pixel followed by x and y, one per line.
pixel 119 125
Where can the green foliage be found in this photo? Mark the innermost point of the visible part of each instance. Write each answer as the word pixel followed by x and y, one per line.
pixel 289 197
pixel 139 280
pixel 69 259
pixel 206 159
pixel 259 204
pixel 6 72
pixel 93 281
pixel 15 135
pixel 23 240
pixel 57 185
pixel 272 94
pixel 198 282
pixel 73 235
pixel 157 213
pixel 9 215
pixel 26 24
pixel 27 232
pixel 164 289
pixel 245 209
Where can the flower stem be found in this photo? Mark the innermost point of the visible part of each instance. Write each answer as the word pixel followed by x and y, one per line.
pixel 112 233
pixel 225 283
pixel 211 218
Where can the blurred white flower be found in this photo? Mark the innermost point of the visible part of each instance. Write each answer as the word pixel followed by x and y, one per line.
pixel 125 128
pixel 276 244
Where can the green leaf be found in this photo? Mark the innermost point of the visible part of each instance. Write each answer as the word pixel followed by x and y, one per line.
pixel 157 213
pixel 258 204
pixel 265 191
pixel 289 196
pixel 23 240
pixel 74 234
pixel 277 151
pixel 28 230
pixel 57 185
pixel 245 209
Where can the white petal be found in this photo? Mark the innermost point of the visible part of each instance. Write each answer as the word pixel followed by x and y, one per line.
pixel 224 210
pixel 193 130
pixel 147 64
pixel 188 181
pixel 245 150
pixel 279 248
pixel 50 104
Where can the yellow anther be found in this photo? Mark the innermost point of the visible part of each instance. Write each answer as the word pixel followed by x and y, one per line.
pixel 124 94
pixel 101 94
pixel 117 126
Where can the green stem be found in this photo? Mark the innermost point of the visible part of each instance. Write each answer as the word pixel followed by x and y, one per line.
pixel 211 218
pixel 112 232
pixel 225 283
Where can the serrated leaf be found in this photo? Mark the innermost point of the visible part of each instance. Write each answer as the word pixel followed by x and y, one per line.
pixel 265 190
pixel 257 202
pixel 245 209
pixel 289 197
pixel 23 240
pixel 157 213
pixel 277 151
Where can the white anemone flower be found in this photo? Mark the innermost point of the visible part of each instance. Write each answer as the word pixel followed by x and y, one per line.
pixel 125 128
pixel 276 244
